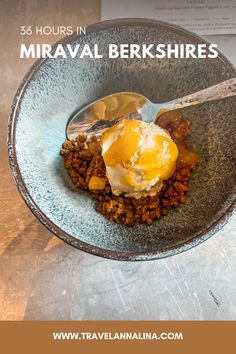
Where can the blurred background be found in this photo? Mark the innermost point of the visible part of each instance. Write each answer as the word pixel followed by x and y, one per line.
pixel 43 278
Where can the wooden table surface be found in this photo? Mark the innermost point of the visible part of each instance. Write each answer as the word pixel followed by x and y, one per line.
pixel 41 277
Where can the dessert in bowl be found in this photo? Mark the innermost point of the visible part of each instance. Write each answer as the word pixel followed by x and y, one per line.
pixel 55 88
pixel 135 170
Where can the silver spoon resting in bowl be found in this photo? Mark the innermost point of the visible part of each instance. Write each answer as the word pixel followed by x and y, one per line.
pixel 107 111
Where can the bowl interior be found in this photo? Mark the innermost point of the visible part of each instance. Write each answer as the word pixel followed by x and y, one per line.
pixel 57 87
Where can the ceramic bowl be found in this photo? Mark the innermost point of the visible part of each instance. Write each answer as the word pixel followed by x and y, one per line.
pixel 54 88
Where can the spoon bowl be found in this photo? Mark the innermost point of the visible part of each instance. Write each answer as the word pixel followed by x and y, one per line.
pixel 107 111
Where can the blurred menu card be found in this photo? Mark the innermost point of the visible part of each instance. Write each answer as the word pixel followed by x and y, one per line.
pixel 205 17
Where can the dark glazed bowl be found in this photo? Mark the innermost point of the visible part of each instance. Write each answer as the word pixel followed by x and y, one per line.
pixel 54 88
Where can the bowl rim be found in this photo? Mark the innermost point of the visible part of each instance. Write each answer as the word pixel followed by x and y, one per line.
pixel 197 239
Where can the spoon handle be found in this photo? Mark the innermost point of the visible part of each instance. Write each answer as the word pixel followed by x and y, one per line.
pixel 222 90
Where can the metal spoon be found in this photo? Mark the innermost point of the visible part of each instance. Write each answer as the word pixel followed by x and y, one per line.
pixel 105 112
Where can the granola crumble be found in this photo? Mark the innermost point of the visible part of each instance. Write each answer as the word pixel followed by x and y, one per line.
pixel 85 165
